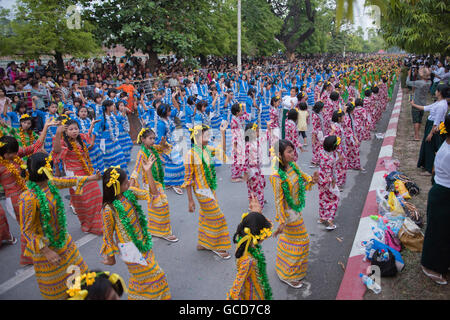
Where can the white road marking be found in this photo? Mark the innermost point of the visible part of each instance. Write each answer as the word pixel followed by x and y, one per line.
pixel 27 272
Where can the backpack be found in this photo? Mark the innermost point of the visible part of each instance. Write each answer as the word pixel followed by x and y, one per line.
pixel 387 267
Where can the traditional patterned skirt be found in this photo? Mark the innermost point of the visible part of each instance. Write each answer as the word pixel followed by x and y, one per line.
pixel 428 149
pixel 114 156
pixel 88 206
pixel 126 143
pixel 256 184
pixel 147 282
pixel 341 171
pixel 174 169
pixel 436 245
pixel 328 202
pixel 4 227
pixel 24 260
pixel 159 216
pixel 317 148
pixel 353 157
pixel 212 226
pixel 96 156
pixel 293 251
pixel 52 279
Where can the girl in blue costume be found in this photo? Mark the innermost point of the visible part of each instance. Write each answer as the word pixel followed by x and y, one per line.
pixel 174 165
pixel 106 136
pixel 203 89
pixel 124 129
pixel 266 95
pixel 44 116
pixel 85 124
pixel 14 116
pixel 243 89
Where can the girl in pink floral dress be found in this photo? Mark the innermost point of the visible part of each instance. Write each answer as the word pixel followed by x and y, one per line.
pixel 328 196
pixel 238 119
pixel 292 131
pixel 360 113
pixel 252 169
pixel 353 157
pixel 337 129
pixel 274 131
pixel 317 134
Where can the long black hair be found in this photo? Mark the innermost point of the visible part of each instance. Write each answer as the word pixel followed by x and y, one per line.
pixel 318 106
pixel 108 192
pixel 255 221
pixel 34 163
pixel 106 104
pixel 101 287
pixel 281 146
pixel 329 143
pixel 78 138
pixel 11 145
pixel 204 128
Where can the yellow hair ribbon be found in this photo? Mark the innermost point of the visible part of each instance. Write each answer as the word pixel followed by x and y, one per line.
pixel 114 181
pixel 442 128
pixel 249 237
pixel 195 131
pixel 138 139
pixel 2 144
pixel 113 278
pixel 339 111
pixel 244 215
pixel 25 116
pixel 338 141
pixel 255 127
pixel 47 168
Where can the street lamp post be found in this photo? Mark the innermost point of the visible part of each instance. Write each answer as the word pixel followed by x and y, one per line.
pixel 239 37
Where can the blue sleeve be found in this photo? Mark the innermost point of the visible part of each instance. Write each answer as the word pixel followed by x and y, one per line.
pixel 160 131
pixel 248 105
pixel 98 128
pixel 174 112
pixel 38 113
pixel 198 119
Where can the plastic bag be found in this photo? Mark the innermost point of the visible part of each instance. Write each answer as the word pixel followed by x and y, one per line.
pixel 383 205
pixel 396 208
pixel 401 189
pixel 374 245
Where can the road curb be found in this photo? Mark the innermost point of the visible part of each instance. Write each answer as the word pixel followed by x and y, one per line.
pixel 351 287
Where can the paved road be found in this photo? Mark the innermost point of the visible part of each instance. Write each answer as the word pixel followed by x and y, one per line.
pixel 201 275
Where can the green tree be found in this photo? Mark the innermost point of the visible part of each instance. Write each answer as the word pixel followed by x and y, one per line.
pixel 418 26
pixel 41 28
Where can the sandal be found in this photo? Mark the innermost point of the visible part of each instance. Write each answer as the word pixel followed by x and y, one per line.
pixel 331 226
pixel 237 180
pixel 321 221
pixel 171 238
pixel 12 241
pixel 297 286
pixel 438 279
pixel 221 254
pixel 177 190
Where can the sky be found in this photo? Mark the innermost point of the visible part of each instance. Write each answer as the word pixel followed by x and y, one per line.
pixel 361 17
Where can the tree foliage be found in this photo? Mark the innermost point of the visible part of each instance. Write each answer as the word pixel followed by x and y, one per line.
pixel 418 26
pixel 41 28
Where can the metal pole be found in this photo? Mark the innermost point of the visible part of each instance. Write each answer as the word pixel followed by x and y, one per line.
pixel 239 37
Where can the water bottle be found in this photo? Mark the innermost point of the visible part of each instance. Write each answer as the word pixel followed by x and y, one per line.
pixel 368 245
pixel 378 233
pixel 370 284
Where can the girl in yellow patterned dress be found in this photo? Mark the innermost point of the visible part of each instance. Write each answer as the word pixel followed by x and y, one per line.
pixel 125 232
pixel 251 282
pixel 43 225
pixel 158 209
pixel 200 175
pixel 289 185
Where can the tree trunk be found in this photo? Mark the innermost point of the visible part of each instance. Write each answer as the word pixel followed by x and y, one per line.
pixel 152 58
pixel 59 62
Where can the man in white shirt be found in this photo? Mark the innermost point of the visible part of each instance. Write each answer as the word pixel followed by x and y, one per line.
pixel 438 74
pixel 288 103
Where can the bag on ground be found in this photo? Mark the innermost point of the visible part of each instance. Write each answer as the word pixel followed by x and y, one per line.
pixel 411 236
